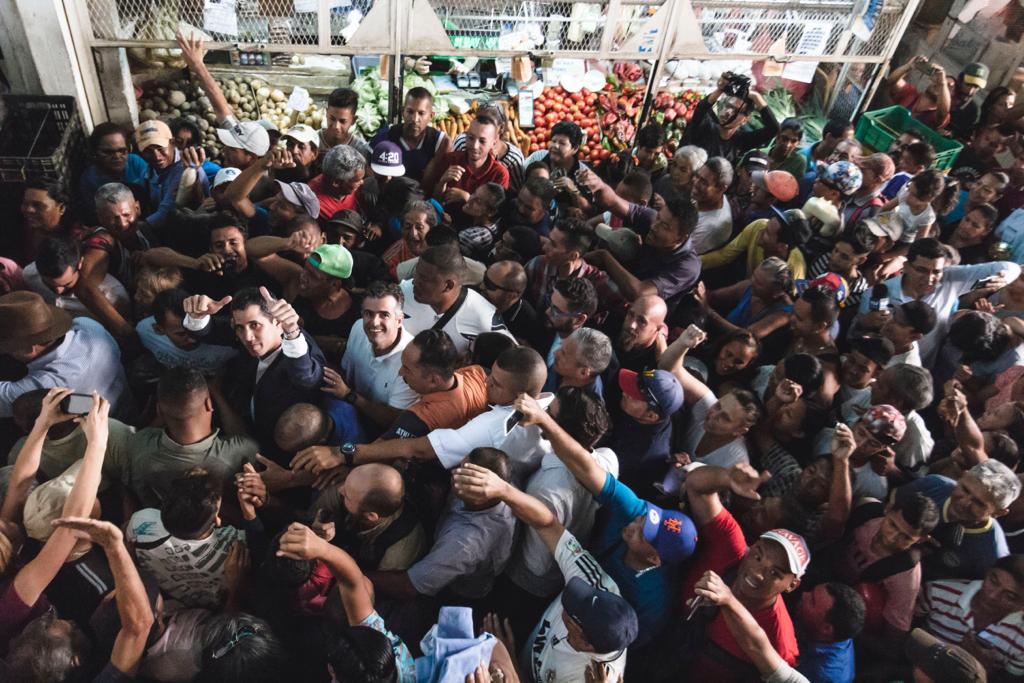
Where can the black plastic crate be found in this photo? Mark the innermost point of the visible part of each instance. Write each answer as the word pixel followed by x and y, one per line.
pixel 40 137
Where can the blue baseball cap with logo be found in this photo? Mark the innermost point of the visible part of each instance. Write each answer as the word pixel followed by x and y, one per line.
pixel 386 159
pixel 670 532
pixel 609 623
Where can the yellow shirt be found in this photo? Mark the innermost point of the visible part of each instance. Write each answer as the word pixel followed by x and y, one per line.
pixel 746 241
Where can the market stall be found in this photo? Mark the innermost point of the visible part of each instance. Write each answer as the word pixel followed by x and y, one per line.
pixel 610 66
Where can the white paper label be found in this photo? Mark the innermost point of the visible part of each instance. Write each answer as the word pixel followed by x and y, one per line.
pixel 503 65
pixel 299 99
pixel 314 5
pixel 525 107
pixel 219 16
pixel 812 42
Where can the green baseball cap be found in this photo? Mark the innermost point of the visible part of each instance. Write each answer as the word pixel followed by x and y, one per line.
pixel 975 73
pixel 333 259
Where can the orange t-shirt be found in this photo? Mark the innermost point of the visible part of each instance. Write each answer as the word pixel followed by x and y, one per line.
pixel 457 406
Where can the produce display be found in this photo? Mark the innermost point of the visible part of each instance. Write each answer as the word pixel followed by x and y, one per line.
pixel 674 111
pixel 251 98
pixel 556 104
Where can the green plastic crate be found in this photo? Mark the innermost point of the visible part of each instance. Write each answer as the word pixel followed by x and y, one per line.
pixel 879 128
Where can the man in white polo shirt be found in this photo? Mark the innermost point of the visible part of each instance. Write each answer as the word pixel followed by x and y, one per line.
pixel 436 298
pixel 518 370
pixel 369 377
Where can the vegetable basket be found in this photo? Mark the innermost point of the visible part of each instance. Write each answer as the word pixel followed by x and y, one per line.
pixel 40 136
pixel 879 128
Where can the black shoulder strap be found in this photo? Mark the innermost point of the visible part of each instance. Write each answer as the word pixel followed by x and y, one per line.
pixel 450 313
pixel 863 513
pixel 891 566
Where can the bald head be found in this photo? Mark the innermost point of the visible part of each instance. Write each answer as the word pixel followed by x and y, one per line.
pixel 643 322
pixel 373 490
pixel 301 426
pixel 507 283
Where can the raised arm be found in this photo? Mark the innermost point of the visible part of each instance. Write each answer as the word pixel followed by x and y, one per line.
pixel 478 484
pixel 34 577
pixel 965 430
pixel 630 286
pixel 238 190
pixel 897 74
pixel 672 360
pixel 133 606
pixel 703 484
pixel 192 52
pixel 604 194
pixel 576 458
pixel 744 628
pixel 840 499
pixel 27 463
pixel 300 542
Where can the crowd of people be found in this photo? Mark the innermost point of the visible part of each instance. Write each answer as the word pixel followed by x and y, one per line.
pixel 422 409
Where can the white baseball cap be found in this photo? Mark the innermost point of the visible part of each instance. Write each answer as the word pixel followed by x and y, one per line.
pixel 225 175
pixel 247 135
pixel 304 134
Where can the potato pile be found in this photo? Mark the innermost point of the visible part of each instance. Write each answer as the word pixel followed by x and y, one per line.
pixel 251 98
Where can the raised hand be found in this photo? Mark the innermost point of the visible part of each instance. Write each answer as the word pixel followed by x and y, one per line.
pixel 600 672
pixel 692 337
pixel 500 629
pixel 51 412
pixel 744 481
pixel 282 312
pixel 843 442
pixel 274 476
pixel 193 157
pixel 317 459
pixel 95 424
pixel 712 587
pixel 334 384
pixel 788 391
pixel 531 410
pixel 300 542
pixel 321 527
pixel 452 175
pixel 281 158
pixel 252 491
pixel 200 305
pixel 192 49
pixel 477 485
pixel 589 179
pixel 100 532
pixel 210 263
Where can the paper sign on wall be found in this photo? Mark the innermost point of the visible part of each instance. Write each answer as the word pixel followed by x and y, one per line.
pixel 219 16
pixel 813 41
pixel 314 5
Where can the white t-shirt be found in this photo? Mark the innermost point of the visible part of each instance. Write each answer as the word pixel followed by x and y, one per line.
pixel 911 357
pixel 207 358
pixel 376 377
pixel 494 428
pixel 912 222
pixel 189 572
pixel 111 289
pixel 548 657
pixel 714 228
pixel 475 316
pixel 732 453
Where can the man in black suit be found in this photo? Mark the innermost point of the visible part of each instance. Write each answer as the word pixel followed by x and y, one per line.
pixel 284 366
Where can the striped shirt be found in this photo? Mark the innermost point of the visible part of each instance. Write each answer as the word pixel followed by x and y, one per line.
pixel 513 160
pixel 946 606
pixel 854 288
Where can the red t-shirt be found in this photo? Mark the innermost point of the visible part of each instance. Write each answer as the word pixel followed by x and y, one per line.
pixel 329 204
pixel 721 547
pixel 906 96
pixel 491 172
pixel 15 614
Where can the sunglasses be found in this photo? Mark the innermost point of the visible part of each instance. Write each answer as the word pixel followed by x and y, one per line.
pixel 491 286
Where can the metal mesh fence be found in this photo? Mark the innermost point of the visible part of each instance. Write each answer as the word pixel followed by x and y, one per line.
pixel 491 25
pixel 273 23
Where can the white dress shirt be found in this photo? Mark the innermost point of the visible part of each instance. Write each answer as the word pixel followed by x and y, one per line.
pixel 376 377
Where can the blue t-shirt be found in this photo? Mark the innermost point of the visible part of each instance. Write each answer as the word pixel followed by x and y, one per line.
pixel 958 212
pixel 259 224
pixel 651 592
pixel 347 428
pixel 832 662
pixel 977 549
pixel 134 175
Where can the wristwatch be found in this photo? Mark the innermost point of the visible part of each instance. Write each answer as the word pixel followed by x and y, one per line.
pixel 351 397
pixel 348 451
pixel 295 335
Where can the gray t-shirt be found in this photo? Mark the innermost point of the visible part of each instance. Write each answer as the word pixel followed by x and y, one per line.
pixel 732 453
pixel 472 547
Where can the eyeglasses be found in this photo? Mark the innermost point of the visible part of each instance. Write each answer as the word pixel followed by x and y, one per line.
pixel 556 312
pixel 113 152
pixel 490 285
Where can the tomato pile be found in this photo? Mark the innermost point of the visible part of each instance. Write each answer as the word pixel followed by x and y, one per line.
pixel 556 104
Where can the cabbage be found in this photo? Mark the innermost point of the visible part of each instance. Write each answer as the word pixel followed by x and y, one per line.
pixel 414 80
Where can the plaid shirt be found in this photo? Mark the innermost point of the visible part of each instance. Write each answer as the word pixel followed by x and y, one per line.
pixel 542 278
